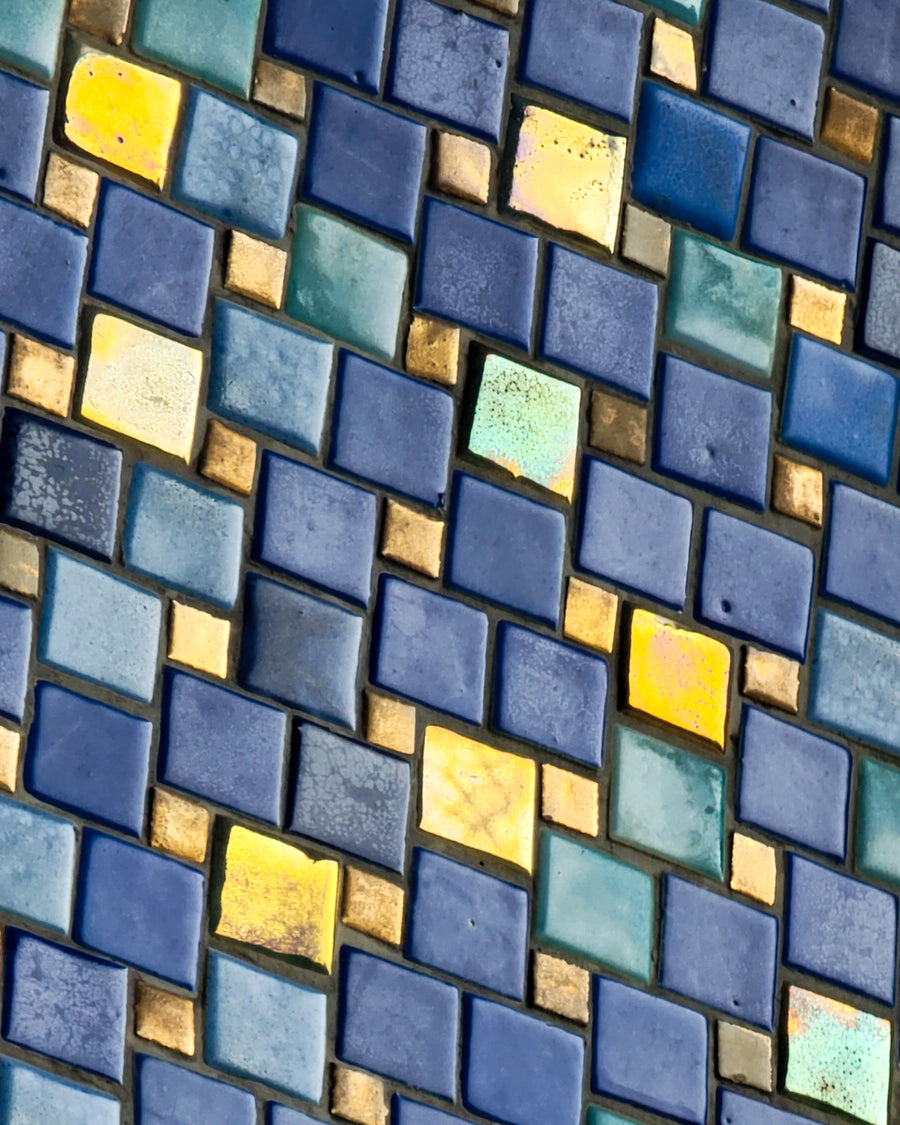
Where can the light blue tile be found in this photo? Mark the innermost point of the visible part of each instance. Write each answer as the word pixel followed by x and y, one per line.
pixel 38 866
pixel 29 1096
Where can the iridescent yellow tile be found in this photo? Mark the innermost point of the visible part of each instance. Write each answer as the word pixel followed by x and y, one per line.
pixel 143 385
pixel 672 54
pixel 276 897
pixel 478 796
pixel 679 676
pixel 816 309
pixel 123 113
pixel 569 175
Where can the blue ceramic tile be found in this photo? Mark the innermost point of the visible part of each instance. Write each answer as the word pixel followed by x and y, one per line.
pixel 841 409
pixel 222 746
pixel 300 650
pixel 467 923
pixel 588 50
pixel 878 821
pixel 170 1095
pixel 60 483
pixel 782 84
pixel 518 1069
pixel 713 431
pixel 38 865
pixel 719 952
pixel 880 328
pixel 475 272
pixel 737 1110
pixel 365 161
pixel 868 46
pixel 805 211
pixel 407 1112
pixel 28 1095
pixel 841 929
pixel 269 376
pixel 23 113
pixel 780 761
pixel 29 33
pixel 235 167
pixel 634 533
pixel 430 648
pixel 689 161
pixel 184 536
pixel 391 429
pixel 550 693
pixel 66 1005
pixel 139 907
pixel 343 38
pixel 15 653
pixel 264 1027
pixel 688 10
pixel 863 546
pixel 449 65
pixel 398 1023
pixel 88 757
pixel 649 1051
pixel 281 1115
pixel 600 321
pixel 350 796
pixel 889 204
pixel 151 259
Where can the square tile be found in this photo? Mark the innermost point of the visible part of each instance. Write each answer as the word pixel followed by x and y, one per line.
pixel 349 48
pixel 817 310
pixel 850 126
pixel 70 190
pixel 412 538
pixel 744 1056
pixel 20 563
pixel 106 18
pixel 877 821
pixel 561 987
pixel 163 1089
pixel 570 800
pixel 590 615
pixel 373 906
pixel 461 167
pixel 199 639
pixel 753 869
pixel 797 490
pixel 40 375
pixel 255 269
pixel 358 1097
pixel 432 350
pixel 673 55
pixel 15 647
pixel 164 1018
pixel 646 239
pixel 29 34
pixel 856 518
pixel 619 427
pixel 390 723
pixel 866 47
pixel 228 458
pixel 29 1092
pixel 179 827
pixel 23 111
pixel 880 331
pixel 37 879
pixel 280 88
pixel 771 679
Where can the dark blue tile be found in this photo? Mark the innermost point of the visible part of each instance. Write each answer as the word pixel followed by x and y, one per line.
pixel 782 85
pixel 841 929
pixel 151 259
pixel 23 115
pixel 550 693
pixel 407 1112
pixel 344 38
pixel 391 429
pixel 365 161
pixel 863 548
pixel 476 272
pixel 780 761
pixel 737 1110
pixel 868 45
pixel 841 409
pixel 468 923
pixel 139 907
pixel 506 548
pixel 65 1005
pixel 518 1069
pixel 60 483
pixel 351 796
pixel 15 654
pixel 170 1095
pixel 300 650
pixel 635 534
pixel 600 321
pixel 221 746
pixel 430 648
pixel 816 5
pixel 889 204
pixel 88 757
pixel 316 526
pixel 398 1023
pixel 713 431
pixel 719 952
pixel 689 161
pixel 805 211
pixel 881 328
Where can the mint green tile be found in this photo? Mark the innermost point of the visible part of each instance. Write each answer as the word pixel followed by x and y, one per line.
pixel 29 33
pixel 598 1116
pixel 723 303
pixel 594 905
pixel 878 821
pixel 346 283
pixel 668 802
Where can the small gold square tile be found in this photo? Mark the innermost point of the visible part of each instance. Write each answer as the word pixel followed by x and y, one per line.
pixel 672 54
pixel 40 375
pixel 797 490
pixel 20 564
pixel 228 458
pixel 461 167
pixel 373 906
pixel 570 800
pixel 850 126
pixel 280 89
pixel 618 427
pixel 432 351
pixel 646 240
pixel 744 1056
pixel 358 1097
pixel 106 18
pixel 816 309
pixel 505 7
pixel 390 723
pixel 164 1018
pixel 411 538
pixel 591 615
pixel 771 678
pixel 199 639
pixel 561 987
pixel 10 742
pixel 753 870
pixel 255 269
pixel 179 826
pixel 70 190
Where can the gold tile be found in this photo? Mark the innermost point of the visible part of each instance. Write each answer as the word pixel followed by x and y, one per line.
pixel 10 741
pixel 106 18
pixel 570 800
pixel 411 538
pixel 358 1097
pixel 618 427
pixel 561 987
pixel 255 269
pixel 672 54
pixel 505 7
pixel 164 1018
pixel 390 723
pixel 280 89
pixel 744 1056
pixel 797 490
pixel 646 240
pixel 179 826
pixel 850 126
pixel 40 375
pixel 816 309
pixel 461 167
pixel 770 678
pixel 199 639
pixel 20 563
pixel 70 190
pixel 591 615
pixel 373 906
pixel 228 458
pixel 432 350
pixel 753 870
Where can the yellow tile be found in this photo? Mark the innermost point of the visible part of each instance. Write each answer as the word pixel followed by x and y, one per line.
pixel 41 375
pixel 753 871
pixel 561 987
pixel 390 723
pixel 816 309
pixel 569 175
pixel 850 126
pixel 279 88
pixel 797 490
pixel 106 18
pixel 461 167
pixel 276 897
pixel 70 190
pixel 228 458
pixel 646 240
pixel 770 678
pixel 10 741
pixel 373 906
pixel 591 615
pixel 505 7
pixel 20 564
pixel 411 538
pixel 255 269
pixel 478 796
pixel 164 1018
pixel 672 54
pixel 143 385
pixel 358 1097
pixel 679 676
pixel 570 800
pixel 179 826
pixel 618 427
pixel 744 1056
pixel 123 113
pixel 199 639
pixel 432 350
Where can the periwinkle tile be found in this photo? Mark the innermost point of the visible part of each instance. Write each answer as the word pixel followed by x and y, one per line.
pixel 39 865
pixel 880 327
pixel 281 1115
pixel 734 1109
pixel 868 45
pixel 33 1095
pixel 343 38
pixel 404 1111
pixel 24 111
pixel 888 209
pixel 863 542
pixel 166 1094
pixel 29 34
pixel 15 652
pixel 878 821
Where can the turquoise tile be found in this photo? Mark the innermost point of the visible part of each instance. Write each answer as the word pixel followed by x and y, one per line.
pixel 38 852
pixel 723 303
pixel 29 1096
pixel 598 1116
pixel 878 821
pixel 688 10
pixel 668 802
pixel 595 906
pixel 29 33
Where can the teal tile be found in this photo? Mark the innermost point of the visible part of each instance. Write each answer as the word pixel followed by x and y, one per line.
pixel 878 821
pixel 688 10
pixel 595 906
pixel 29 33
pixel 668 802
pixel 28 1095
pixel 598 1116
pixel 38 866
pixel 723 303
pixel 346 283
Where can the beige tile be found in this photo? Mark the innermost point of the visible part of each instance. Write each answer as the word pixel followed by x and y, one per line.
pixel 358 1097
pixel 753 869
pixel 106 18
pixel 199 639
pixel 850 126
pixel 390 723
pixel 412 538
pixel 280 89
pixel 40 375
pixel 373 906
pixel 20 564
pixel 179 826
pixel 591 615
pixel 70 190
pixel 10 743
pixel 570 800
pixel 432 351
pixel 797 490
pixel 505 7
pixel 817 310
pixel 561 987
pixel 771 678
pixel 672 54
pixel 255 269
pixel 744 1056
pixel 618 427
pixel 228 458
pixel 461 167
pixel 164 1018
pixel 646 240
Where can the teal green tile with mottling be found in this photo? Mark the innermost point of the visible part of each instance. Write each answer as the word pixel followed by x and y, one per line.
pixel 598 1116
pixel 29 33
pixel 688 10
pixel 878 821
